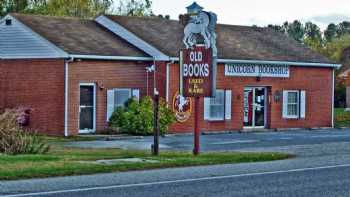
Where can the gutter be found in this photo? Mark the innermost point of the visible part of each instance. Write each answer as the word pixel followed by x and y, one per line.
pixel 273 62
pixel 102 57
pixel 66 83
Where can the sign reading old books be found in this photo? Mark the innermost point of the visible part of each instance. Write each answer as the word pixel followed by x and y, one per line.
pixel 196 72
pixel 257 70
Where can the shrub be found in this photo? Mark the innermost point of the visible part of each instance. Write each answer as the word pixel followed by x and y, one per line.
pixel 14 140
pixel 137 117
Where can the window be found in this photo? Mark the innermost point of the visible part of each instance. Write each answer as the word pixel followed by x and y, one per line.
pixel 118 98
pixel 219 107
pixel 294 104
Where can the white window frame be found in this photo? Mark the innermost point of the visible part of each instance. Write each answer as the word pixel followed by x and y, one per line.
pixel 301 104
pixel 226 103
pixel 133 92
pixel 297 104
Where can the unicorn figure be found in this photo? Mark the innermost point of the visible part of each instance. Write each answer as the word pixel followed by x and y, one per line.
pixel 182 101
pixel 204 24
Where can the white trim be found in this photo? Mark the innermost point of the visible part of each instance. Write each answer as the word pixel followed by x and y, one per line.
pixel 290 63
pixel 102 57
pixel 62 53
pixel 130 37
pixel 252 88
pixel 333 84
pixel 94 110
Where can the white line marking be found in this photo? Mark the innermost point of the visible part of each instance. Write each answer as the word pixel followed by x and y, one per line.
pixel 177 181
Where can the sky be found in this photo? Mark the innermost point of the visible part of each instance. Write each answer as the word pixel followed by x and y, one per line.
pixel 263 12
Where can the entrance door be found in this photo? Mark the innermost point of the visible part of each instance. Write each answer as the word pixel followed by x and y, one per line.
pixel 87 108
pixel 254 107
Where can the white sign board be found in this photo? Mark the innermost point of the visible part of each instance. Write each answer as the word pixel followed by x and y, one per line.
pixel 257 70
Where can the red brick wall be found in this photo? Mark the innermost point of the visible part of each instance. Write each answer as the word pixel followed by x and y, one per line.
pixel 38 84
pixel 106 74
pixel 316 81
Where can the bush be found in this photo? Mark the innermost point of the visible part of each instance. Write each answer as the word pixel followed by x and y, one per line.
pixel 14 140
pixel 137 117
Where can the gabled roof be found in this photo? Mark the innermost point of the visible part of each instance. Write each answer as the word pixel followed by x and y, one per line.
pixel 18 41
pixel 233 42
pixel 79 36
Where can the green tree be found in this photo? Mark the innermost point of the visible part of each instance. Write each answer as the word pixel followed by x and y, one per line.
pixel 134 8
pixel 77 8
pixel 330 33
pixel 296 30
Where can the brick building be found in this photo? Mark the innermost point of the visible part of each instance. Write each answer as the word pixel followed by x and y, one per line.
pixel 74 72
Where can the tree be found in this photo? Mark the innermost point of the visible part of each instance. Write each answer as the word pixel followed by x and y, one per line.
pixel 330 33
pixel 343 28
pixel 296 30
pixel 134 8
pixel 77 8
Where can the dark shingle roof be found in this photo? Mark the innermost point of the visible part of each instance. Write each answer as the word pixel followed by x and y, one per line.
pixel 233 42
pixel 79 36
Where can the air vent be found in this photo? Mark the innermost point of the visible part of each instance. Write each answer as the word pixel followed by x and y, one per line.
pixel 8 21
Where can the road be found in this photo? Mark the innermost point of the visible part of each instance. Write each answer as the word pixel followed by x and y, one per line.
pixel 321 168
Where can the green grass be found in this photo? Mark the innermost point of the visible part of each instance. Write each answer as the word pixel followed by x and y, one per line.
pixel 62 161
pixel 341 118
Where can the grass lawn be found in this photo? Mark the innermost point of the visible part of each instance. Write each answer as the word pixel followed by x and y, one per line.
pixel 61 161
pixel 342 118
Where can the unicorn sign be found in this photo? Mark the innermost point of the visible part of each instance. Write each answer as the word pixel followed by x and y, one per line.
pixel 198 59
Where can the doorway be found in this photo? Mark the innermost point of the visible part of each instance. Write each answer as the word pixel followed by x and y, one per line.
pixel 87 108
pixel 254 107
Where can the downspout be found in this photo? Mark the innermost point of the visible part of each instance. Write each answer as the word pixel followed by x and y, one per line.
pixel 168 81
pixel 66 82
pixel 333 86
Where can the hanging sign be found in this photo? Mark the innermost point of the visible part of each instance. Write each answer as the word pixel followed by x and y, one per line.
pixel 196 72
pixel 257 70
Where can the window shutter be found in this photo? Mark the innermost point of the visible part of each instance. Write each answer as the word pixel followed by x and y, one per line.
pixel 302 103
pixel 206 108
pixel 285 104
pixel 110 103
pixel 136 93
pixel 228 95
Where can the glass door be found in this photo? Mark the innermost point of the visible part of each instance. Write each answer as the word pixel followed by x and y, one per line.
pixel 254 107
pixel 87 108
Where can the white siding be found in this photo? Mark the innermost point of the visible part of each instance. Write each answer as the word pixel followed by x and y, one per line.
pixel 18 41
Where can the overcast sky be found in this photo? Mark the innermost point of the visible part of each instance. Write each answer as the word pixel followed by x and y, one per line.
pixel 263 12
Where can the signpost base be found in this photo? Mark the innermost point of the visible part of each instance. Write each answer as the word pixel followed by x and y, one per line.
pixel 196 126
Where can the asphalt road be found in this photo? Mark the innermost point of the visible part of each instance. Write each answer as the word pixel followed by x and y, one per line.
pixel 321 168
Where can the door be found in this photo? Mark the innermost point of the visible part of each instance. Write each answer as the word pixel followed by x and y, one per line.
pixel 254 107
pixel 87 108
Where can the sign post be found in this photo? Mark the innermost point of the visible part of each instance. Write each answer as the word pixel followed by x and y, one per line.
pixel 196 72
pixel 198 61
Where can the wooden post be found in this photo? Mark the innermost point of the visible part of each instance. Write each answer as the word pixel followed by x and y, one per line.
pixel 196 126
pixel 155 147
